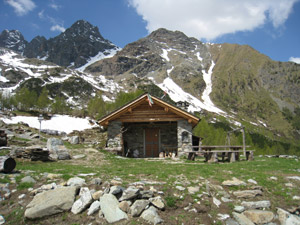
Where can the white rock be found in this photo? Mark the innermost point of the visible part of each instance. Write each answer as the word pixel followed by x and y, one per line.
pixel 273 178
pixel 223 216
pixel 193 190
pixel 76 181
pixel 287 218
pixel 296 197
pixel 180 188
pixel 256 205
pixel 234 182
pixel 2 220
pixel 110 208
pixel 151 215
pixel 216 202
pixel 95 206
pixel 157 202
pixel 294 178
pixel 21 196
pixel 252 181
pixel 83 202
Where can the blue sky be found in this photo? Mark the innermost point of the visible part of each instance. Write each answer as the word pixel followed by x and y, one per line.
pixel 269 26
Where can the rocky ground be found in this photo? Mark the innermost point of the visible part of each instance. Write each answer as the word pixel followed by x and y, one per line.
pixel 83 185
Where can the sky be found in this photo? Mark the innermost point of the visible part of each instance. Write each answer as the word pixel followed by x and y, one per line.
pixel 269 26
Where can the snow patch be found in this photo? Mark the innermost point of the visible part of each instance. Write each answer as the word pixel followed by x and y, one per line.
pixel 101 55
pixel 165 55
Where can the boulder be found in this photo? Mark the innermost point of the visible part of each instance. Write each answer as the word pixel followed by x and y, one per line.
pixel 28 179
pixel 57 149
pixel 138 207
pixel 259 216
pixel 95 206
pixel 256 205
pixel 193 190
pixel 51 202
pixel 287 218
pixel 151 215
pixel 247 193
pixel 116 190
pixel 76 181
pixel 124 206
pixel 129 193
pixel 74 140
pixel 96 195
pixel 157 202
pixel 242 219
pixel 146 194
pixel 83 202
pixel 110 208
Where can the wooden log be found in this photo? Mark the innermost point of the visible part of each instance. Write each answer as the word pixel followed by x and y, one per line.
pixel 7 164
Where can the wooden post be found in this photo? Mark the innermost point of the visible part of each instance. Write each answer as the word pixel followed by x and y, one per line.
pixel 7 164
pixel 231 156
pixel 244 141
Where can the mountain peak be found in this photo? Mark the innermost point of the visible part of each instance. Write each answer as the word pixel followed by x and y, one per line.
pixel 12 39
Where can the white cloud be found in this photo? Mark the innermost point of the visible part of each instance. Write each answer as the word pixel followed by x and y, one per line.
pixel 55 6
pixel 57 28
pixel 211 19
pixel 21 7
pixel 295 59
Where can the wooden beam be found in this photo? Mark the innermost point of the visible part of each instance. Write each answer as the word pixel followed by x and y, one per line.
pixel 130 110
pixel 166 109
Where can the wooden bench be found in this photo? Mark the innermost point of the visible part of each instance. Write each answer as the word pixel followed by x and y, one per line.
pixel 232 153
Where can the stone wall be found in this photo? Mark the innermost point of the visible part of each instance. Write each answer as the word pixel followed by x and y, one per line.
pixel 114 136
pixel 184 136
pixel 134 136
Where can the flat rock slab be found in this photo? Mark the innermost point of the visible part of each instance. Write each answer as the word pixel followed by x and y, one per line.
pixel 234 182
pixel 110 208
pixel 138 207
pixel 247 193
pixel 256 205
pixel 259 216
pixel 83 202
pixel 51 202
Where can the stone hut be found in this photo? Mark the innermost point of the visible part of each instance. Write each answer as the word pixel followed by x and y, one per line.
pixel 149 127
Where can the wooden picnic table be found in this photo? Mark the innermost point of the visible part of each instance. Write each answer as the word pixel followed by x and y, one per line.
pixel 211 152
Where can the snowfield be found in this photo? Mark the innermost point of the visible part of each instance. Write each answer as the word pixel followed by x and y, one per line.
pixel 62 123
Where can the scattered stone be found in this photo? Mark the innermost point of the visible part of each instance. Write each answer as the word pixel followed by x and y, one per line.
pixel 51 202
pixel 231 221
pixel 76 181
pixel 21 196
pixel 226 200
pixel 157 202
pixel 151 215
pixel 138 207
pixel 83 202
pixel 116 190
pixel 110 207
pixel 146 194
pixel 86 174
pixel 223 216
pixel 57 149
pixel 259 216
pixel 239 209
pixel 96 195
pixel 256 205
pixel 129 193
pixel 52 176
pixel 193 190
pixel 289 185
pixel 80 156
pixel 247 193
pixel 74 140
pixel 96 181
pixel 242 219
pixel 2 220
pixel 95 206
pixel 252 181
pixel 116 182
pixel 287 218
pixel 234 182
pixel 273 178
pixel 296 197
pixel 28 179
pixel 180 188
pixel 216 202
pixel 124 206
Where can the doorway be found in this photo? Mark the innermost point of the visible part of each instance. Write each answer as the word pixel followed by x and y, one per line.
pixel 151 142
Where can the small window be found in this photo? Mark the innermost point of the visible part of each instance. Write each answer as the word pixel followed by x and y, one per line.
pixel 185 137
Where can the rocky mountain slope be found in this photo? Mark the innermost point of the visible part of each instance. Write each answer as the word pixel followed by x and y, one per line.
pixel 233 81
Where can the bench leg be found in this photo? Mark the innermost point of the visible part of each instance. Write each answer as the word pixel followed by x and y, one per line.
pixel 249 155
pixel 231 157
pixel 213 157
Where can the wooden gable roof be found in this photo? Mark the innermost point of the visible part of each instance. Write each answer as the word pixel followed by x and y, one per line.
pixel 139 110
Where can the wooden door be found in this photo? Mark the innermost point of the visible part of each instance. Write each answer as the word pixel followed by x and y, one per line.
pixel 152 142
